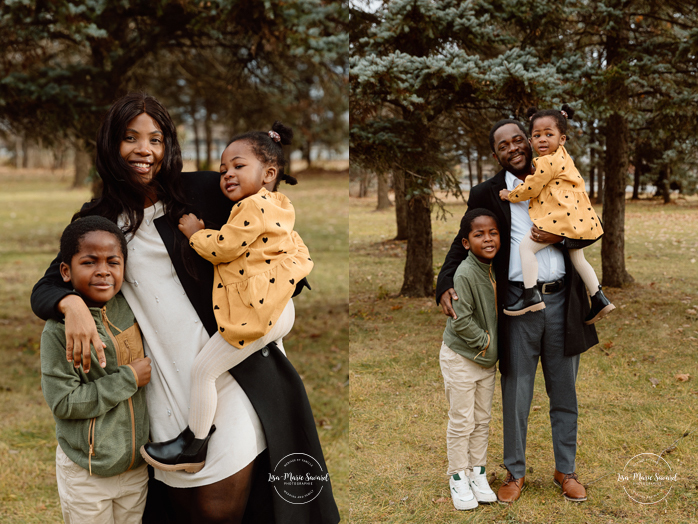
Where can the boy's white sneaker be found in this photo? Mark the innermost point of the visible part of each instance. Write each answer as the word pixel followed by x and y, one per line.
pixel 461 493
pixel 480 487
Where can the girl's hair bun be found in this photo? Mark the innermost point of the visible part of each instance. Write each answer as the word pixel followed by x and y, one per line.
pixel 285 132
pixel 531 111
pixel 567 109
pixel 291 181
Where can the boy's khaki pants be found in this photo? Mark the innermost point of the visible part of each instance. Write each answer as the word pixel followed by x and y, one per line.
pixel 100 500
pixel 469 391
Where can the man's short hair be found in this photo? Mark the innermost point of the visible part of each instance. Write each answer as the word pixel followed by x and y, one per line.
pixel 503 123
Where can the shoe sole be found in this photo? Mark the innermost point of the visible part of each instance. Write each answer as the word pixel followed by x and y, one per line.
pixel 565 494
pixel 534 307
pixel 605 311
pixel 464 508
pixel 191 467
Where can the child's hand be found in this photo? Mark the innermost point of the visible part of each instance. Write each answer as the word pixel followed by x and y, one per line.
pixel 142 367
pixel 504 194
pixel 190 224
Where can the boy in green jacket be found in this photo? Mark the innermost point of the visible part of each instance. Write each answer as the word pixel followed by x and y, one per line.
pixel 468 356
pixel 101 416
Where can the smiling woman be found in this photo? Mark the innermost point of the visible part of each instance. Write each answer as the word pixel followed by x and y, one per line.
pixel 142 147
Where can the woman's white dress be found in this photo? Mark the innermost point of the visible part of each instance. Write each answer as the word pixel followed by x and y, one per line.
pixel 173 336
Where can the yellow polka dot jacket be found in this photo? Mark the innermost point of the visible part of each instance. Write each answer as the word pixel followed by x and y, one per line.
pixel 558 202
pixel 258 260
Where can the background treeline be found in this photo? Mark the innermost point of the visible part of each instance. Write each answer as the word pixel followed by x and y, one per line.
pixel 221 65
pixel 428 79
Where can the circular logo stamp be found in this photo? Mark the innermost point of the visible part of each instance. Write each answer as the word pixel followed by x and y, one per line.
pixel 298 478
pixel 647 478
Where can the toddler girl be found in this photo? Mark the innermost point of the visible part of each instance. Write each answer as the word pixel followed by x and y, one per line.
pixel 559 205
pixel 258 259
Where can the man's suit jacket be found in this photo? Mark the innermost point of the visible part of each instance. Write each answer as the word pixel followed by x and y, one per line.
pixel 272 384
pixel 578 336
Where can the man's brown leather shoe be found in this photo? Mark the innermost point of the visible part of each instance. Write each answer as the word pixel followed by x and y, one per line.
pixel 510 490
pixel 572 489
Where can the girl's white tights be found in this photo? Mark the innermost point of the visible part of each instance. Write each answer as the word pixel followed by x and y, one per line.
pixel 216 358
pixel 529 265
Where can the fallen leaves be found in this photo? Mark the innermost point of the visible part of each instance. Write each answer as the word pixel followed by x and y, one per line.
pixel 682 377
pixel 654 382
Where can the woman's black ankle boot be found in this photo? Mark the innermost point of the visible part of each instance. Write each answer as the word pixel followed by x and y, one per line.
pixel 600 307
pixel 183 452
pixel 530 300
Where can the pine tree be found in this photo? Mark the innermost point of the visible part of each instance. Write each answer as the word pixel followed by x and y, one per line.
pixel 417 67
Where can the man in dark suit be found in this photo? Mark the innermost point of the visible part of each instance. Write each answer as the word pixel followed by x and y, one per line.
pixel 556 335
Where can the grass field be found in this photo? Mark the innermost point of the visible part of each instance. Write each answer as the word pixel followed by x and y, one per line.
pixel 630 398
pixel 35 206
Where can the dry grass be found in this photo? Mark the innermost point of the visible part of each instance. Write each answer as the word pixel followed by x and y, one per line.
pixel 399 411
pixel 35 206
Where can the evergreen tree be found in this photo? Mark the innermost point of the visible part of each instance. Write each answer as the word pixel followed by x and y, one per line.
pixel 417 65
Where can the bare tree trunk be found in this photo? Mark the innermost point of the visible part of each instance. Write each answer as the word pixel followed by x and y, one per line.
pixel 305 148
pixel 616 168
pixel 400 205
pixel 18 152
pixel 363 184
pixel 58 156
pixel 197 140
pixel 600 183
pixel 592 162
pixel 639 171
pixel 470 170
pixel 478 164
pixel 419 272
pixel 25 152
pixel 383 200
pixel 83 163
pixel 663 185
pixel 208 129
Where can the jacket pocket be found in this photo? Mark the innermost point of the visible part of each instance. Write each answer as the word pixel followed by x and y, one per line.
pixel 130 344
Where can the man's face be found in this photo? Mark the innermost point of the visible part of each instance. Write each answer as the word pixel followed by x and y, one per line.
pixel 512 150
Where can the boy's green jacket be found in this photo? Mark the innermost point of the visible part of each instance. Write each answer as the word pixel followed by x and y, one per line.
pixel 101 416
pixel 474 333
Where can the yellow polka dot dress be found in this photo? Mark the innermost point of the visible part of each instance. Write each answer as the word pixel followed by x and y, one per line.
pixel 259 260
pixel 558 202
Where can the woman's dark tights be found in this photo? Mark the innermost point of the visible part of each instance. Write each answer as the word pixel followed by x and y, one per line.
pixel 223 502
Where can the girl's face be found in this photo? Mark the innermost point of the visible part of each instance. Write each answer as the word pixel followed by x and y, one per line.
pixel 545 136
pixel 242 174
pixel 143 147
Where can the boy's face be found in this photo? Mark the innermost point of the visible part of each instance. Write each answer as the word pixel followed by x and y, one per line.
pixel 483 239
pixel 97 269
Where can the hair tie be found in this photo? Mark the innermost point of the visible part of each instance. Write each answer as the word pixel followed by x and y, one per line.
pixel 564 113
pixel 276 137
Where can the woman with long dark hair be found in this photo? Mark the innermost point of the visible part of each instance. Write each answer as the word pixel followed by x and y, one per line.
pixel 263 413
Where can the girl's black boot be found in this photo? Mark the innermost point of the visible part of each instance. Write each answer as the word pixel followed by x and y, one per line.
pixel 600 307
pixel 530 300
pixel 183 452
